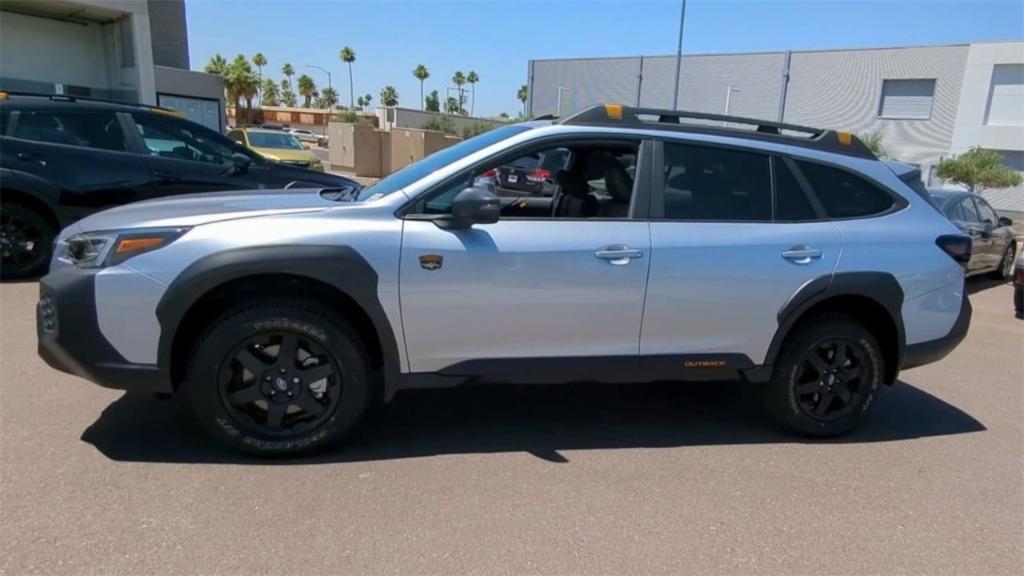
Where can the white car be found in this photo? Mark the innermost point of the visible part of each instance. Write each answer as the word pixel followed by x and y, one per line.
pixel 304 135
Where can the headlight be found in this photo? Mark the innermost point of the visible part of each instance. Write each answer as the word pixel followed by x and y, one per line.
pixel 99 249
pixel 271 157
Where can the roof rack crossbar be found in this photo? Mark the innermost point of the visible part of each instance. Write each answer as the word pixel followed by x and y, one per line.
pixel 628 116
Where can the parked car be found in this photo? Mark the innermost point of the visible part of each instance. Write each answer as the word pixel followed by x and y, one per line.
pixel 992 238
pixel 277 146
pixel 304 135
pixel 533 173
pixel 705 253
pixel 1018 286
pixel 63 158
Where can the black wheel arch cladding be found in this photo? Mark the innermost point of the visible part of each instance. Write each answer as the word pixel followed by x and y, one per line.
pixel 340 267
pixel 881 288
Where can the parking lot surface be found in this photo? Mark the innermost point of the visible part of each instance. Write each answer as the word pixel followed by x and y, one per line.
pixel 666 478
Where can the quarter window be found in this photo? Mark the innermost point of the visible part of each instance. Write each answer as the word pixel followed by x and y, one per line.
pixel 100 130
pixel 708 184
pixel 844 195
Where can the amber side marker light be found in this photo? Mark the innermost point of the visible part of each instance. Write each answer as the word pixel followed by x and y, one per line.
pixel 3 95
pixel 129 245
pixel 614 111
pixel 845 138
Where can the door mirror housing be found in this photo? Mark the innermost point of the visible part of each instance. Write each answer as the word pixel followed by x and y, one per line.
pixel 240 163
pixel 474 205
pixel 1004 221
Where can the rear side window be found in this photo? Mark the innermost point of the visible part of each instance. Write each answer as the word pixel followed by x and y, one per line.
pixel 845 195
pixel 704 183
pixel 955 212
pixel 791 203
pixel 100 130
pixel 970 212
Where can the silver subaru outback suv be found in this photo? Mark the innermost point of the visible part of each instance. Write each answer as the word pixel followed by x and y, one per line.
pixel 667 246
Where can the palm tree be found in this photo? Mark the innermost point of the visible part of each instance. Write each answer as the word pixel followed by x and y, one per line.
pixel 348 56
pixel 433 102
pixel 472 78
pixel 458 79
pixel 307 89
pixel 522 95
pixel 219 66
pixel 329 97
pixel 452 106
pixel 288 72
pixel 260 61
pixel 366 100
pixel 269 94
pixel 389 96
pixel 421 73
pixel 360 102
pixel 242 83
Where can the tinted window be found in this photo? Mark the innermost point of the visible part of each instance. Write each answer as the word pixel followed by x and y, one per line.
pixel 172 138
pixel 4 115
pixel 970 213
pixel 955 212
pixel 716 184
pixel 986 212
pixel 90 130
pixel 791 203
pixel 844 195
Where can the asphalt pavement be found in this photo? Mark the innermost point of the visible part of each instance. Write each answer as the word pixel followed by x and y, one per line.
pixel 670 479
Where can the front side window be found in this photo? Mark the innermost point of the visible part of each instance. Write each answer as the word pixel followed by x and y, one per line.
pixel 955 212
pixel 172 138
pixel 970 212
pixel 986 212
pixel 843 194
pixel 100 130
pixel 716 184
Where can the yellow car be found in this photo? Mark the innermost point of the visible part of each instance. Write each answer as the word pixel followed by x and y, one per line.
pixel 278 146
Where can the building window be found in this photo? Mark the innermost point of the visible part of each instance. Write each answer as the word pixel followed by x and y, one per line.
pixel 907 99
pixel 1006 96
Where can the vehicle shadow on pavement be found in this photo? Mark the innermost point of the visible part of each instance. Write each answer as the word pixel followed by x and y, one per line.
pixel 975 285
pixel 540 420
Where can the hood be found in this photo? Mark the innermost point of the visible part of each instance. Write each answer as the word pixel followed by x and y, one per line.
pixel 197 209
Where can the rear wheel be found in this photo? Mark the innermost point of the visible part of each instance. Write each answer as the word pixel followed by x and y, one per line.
pixel 827 376
pixel 1005 269
pixel 279 378
pixel 26 241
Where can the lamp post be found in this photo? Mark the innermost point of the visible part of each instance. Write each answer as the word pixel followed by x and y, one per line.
pixel 558 112
pixel 330 87
pixel 728 100
pixel 679 56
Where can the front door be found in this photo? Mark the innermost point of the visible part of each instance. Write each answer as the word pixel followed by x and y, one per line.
pixel 550 289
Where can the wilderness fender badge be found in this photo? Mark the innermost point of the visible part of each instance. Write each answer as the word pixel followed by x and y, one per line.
pixel 431 261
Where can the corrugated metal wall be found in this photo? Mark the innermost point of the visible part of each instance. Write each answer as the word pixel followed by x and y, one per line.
pixel 583 83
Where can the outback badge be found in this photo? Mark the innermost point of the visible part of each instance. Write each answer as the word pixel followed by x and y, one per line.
pixel 431 261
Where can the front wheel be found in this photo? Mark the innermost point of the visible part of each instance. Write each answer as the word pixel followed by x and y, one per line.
pixel 26 242
pixel 1005 269
pixel 279 378
pixel 827 376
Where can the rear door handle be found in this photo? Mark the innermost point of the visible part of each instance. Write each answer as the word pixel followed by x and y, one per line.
pixel 801 254
pixel 618 255
pixel 34 157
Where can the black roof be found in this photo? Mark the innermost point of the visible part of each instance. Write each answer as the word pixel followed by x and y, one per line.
pixel 656 119
pixel 37 101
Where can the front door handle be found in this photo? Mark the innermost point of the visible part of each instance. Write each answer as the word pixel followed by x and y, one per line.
pixel 801 254
pixel 618 255
pixel 33 157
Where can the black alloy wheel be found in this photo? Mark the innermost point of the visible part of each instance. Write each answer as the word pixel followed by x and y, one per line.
pixel 830 380
pixel 25 242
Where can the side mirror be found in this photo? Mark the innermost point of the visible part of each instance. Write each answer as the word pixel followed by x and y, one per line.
pixel 474 205
pixel 1004 221
pixel 240 163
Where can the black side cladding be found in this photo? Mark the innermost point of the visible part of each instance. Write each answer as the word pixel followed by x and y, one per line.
pixel 341 267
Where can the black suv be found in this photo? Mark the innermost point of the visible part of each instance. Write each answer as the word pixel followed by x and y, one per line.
pixel 63 158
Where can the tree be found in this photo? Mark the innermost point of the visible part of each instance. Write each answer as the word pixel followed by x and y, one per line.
pixel 260 61
pixel 432 102
pixel 503 115
pixel 458 79
pixel 360 102
pixel 472 78
pixel 452 105
pixel 348 56
pixel 307 89
pixel 287 96
pixel 240 82
pixel 217 65
pixel 522 95
pixel 288 72
pixel 421 73
pixel 389 96
pixel 873 140
pixel 978 169
pixel 269 95
pixel 366 100
pixel 328 97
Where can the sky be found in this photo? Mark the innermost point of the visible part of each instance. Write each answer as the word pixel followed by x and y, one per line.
pixel 497 38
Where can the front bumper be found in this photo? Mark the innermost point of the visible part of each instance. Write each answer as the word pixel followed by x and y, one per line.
pixel 934 350
pixel 70 339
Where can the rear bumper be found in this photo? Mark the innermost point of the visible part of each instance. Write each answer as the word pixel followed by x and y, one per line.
pixel 70 339
pixel 934 350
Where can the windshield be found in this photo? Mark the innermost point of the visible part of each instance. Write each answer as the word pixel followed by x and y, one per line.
pixel 268 140
pixel 439 159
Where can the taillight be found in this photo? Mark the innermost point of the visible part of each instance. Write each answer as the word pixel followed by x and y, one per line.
pixel 956 246
pixel 538 175
pixel 489 173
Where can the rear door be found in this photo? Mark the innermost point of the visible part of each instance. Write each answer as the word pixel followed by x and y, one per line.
pixel 82 152
pixel 734 235
pixel 981 238
pixel 999 238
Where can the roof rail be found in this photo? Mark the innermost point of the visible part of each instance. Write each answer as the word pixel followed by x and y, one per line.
pixel 628 116
pixel 70 98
